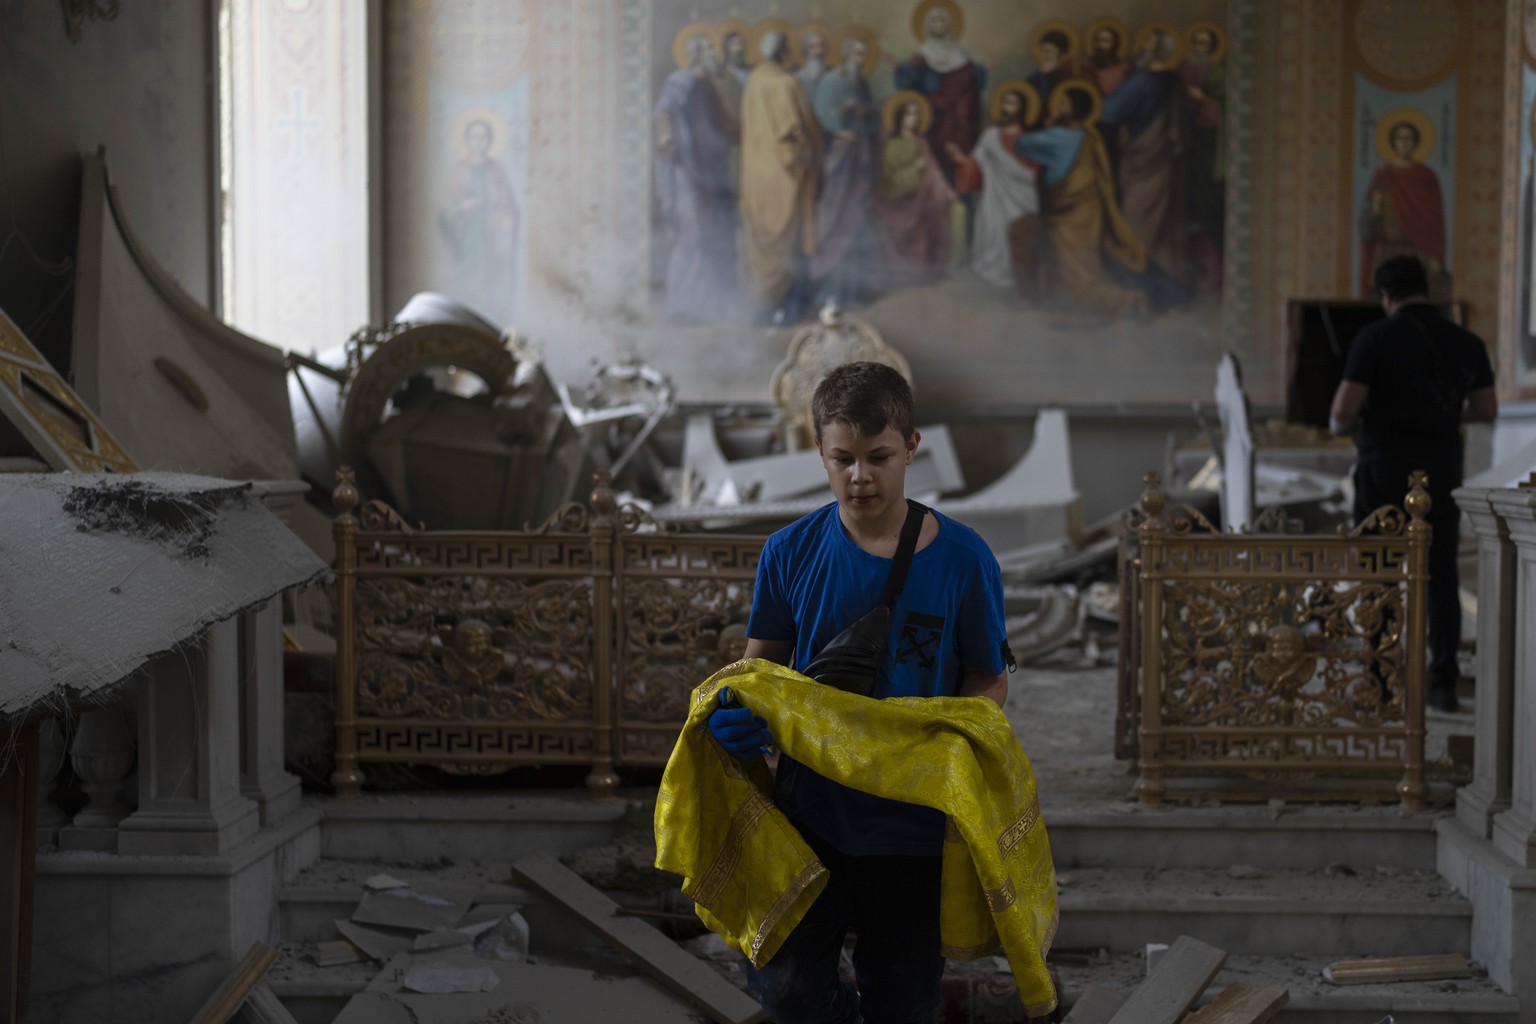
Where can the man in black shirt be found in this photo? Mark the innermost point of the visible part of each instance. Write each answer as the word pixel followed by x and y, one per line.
pixel 1410 382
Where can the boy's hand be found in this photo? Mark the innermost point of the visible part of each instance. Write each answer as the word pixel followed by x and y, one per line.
pixel 740 732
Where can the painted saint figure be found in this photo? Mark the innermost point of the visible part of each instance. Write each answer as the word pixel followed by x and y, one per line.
pixel 1148 113
pixel 1003 243
pixel 1204 93
pixel 696 198
pixel 1093 256
pixel 1054 65
pixel 850 120
pixel 913 202
pixel 947 76
pixel 781 169
pixel 480 224
pixel 1404 214
pixel 1106 59
pixel 813 59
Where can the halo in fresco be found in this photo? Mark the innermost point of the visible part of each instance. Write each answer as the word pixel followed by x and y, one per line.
pixel 739 27
pixel 1066 28
pixel 920 15
pixel 1410 115
pixel 1029 92
pixel 1116 26
pixel 868 37
pixel 490 117
pixel 1180 46
pixel 756 32
pixel 901 99
pixel 1218 38
pixel 687 32
pixel 1077 85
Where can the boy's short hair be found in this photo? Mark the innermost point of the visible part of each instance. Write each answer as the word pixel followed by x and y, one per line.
pixel 866 396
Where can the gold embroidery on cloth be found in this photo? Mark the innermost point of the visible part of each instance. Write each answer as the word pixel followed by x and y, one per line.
pixel 721 832
pixel 1019 829
pixel 742 823
pixel 782 905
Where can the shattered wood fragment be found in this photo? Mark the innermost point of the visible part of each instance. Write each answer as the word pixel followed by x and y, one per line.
pixel 1182 973
pixel 226 999
pixel 647 947
pixel 263 1007
pixel 1241 1003
pixel 1096 1005
pixel 1398 968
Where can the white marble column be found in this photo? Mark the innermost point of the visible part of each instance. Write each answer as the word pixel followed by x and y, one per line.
pixel 1488 792
pixel 262 778
pixel 189 752
pixel 1514 829
pixel 102 755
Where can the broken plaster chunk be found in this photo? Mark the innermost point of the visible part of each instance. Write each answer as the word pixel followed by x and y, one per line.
pixel 507 940
pixel 381 881
pixel 1155 951
pixel 442 938
pixel 447 973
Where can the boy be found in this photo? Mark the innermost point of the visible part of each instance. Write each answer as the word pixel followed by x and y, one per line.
pixel 817 576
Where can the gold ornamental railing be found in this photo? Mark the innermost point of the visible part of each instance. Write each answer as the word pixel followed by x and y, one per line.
pixel 1276 664
pixel 576 642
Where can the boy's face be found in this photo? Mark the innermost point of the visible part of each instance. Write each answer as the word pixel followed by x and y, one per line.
pixel 868 474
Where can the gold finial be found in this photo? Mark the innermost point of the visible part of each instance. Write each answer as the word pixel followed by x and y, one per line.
pixel 604 504
pixel 345 496
pixel 1417 503
pixel 1152 500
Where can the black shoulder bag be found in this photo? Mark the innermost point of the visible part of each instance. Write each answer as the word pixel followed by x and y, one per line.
pixel 851 660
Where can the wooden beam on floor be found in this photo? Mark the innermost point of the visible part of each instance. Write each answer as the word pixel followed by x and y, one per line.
pixel 652 951
pixel 1241 1003
pixel 1096 1005
pixel 226 999
pixel 1398 968
pixel 1181 975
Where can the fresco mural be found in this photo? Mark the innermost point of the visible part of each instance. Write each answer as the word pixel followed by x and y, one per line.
pixel 1073 170
pixel 1404 180
pixel 1524 369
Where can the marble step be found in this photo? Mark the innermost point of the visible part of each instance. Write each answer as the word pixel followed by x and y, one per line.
pixel 1314 1000
pixel 1387 912
pixel 424 826
pixel 1217 837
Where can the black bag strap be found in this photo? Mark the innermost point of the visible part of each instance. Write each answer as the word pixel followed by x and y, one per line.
pixel 904 549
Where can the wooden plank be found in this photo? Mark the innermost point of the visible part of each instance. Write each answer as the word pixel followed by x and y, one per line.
pixel 1241 1003
pixel 1181 975
pixel 226 999
pixel 263 1007
pixel 1096 1005
pixel 1398 968
pixel 652 951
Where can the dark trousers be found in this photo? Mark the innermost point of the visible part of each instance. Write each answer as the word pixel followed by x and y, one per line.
pixel 1385 482
pixel 892 904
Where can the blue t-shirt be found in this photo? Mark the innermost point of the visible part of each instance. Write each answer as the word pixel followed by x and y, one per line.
pixel 813 581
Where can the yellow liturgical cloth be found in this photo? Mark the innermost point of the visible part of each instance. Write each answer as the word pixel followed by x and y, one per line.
pixel 751 875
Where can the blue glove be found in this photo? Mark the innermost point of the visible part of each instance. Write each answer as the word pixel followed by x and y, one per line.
pixel 743 734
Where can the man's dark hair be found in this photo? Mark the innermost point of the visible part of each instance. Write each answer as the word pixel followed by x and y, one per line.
pixel 1056 39
pixel 1402 277
pixel 867 397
